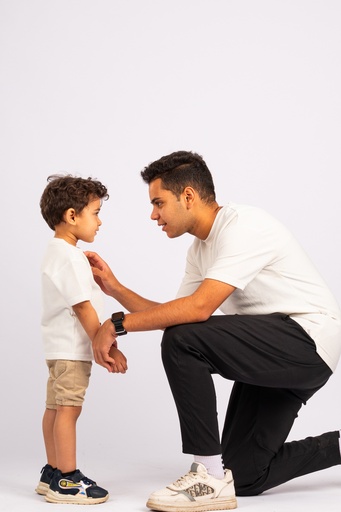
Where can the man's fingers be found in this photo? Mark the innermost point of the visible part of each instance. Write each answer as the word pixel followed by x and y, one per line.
pixel 107 361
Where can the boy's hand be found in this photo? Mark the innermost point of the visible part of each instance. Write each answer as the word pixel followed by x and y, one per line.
pixel 120 365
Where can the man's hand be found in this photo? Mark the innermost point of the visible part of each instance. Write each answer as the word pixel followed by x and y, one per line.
pixel 120 365
pixel 102 343
pixel 102 273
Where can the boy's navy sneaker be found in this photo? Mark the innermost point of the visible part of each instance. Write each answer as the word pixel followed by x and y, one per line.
pixel 46 475
pixel 77 489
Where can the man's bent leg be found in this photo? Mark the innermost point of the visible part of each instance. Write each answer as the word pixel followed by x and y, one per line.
pixel 242 349
pixel 190 380
pixel 189 375
pixel 258 421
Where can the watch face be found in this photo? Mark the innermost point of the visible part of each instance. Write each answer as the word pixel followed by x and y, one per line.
pixel 117 317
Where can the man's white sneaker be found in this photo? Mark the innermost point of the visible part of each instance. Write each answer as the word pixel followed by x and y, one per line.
pixel 196 491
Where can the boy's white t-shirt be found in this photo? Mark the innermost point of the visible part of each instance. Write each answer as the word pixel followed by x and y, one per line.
pixel 250 250
pixel 67 280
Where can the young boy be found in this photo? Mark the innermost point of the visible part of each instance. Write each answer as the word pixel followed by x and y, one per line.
pixel 72 304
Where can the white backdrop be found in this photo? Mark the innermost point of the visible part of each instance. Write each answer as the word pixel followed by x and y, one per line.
pixel 101 88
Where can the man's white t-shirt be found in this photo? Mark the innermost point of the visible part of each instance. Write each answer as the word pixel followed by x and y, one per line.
pixel 250 250
pixel 66 280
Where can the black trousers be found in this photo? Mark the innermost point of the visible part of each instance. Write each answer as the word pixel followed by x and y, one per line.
pixel 276 369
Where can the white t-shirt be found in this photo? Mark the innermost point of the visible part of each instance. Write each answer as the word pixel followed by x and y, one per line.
pixel 66 280
pixel 250 250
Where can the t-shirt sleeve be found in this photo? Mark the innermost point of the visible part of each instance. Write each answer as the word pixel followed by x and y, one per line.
pixel 240 257
pixel 73 281
pixel 192 278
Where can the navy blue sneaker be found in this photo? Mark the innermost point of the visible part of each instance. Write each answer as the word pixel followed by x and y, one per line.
pixel 46 475
pixel 77 489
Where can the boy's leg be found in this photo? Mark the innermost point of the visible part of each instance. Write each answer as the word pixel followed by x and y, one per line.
pixel 71 380
pixel 48 429
pixel 49 417
pixel 47 471
pixel 68 484
pixel 65 437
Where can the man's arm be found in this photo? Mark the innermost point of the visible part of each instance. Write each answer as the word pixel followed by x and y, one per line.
pixel 109 284
pixel 197 307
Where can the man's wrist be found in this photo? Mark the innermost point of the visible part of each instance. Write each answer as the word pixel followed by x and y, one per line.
pixel 117 320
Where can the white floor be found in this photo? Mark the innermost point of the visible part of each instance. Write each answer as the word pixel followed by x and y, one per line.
pixel 130 487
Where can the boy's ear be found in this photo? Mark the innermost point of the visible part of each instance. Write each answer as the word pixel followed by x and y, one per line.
pixel 70 216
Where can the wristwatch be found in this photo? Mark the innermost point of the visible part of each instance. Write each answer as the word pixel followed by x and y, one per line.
pixel 117 320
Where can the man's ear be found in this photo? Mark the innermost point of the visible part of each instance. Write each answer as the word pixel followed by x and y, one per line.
pixel 70 216
pixel 189 194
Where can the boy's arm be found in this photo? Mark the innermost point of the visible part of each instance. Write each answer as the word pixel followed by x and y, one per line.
pixel 88 318
pixel 120 360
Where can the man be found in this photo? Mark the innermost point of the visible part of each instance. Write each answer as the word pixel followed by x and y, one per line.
pixel 279 339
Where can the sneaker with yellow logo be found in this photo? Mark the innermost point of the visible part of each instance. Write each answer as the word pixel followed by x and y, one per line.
pixel 75 488
pixel 196 491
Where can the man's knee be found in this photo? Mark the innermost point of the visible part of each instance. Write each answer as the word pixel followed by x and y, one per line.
pixel 172 338
pixel 180 343
pixel 248 482
pixel 250 465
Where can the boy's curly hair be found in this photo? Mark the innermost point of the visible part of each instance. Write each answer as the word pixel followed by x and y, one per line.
pixel 67 191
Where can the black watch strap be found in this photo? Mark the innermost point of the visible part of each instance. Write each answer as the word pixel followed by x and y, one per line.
pixel 117 320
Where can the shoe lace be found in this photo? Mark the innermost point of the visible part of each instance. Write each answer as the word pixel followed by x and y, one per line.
pixel 187 479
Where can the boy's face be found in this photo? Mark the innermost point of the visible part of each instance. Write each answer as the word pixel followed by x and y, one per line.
pixel 88 221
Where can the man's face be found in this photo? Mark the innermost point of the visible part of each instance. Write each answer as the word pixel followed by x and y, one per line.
pixel 169 212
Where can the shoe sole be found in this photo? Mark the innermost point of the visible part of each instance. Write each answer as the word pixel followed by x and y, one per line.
pixel 57 497
pixel 214 504
pixel 42 488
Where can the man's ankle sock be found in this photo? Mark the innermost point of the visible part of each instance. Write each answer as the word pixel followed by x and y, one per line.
pixel 212 463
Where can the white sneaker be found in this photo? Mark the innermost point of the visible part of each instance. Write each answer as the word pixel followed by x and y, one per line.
pixel 198 491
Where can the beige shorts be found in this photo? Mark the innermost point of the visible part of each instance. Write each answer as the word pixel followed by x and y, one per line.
pixel 67 383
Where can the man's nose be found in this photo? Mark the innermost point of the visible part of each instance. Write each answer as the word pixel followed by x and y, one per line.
pixel 154 215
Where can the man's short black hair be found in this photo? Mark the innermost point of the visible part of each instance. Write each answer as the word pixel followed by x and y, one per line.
pixel 179 170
